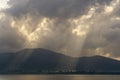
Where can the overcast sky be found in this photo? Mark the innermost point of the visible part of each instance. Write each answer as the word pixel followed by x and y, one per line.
pixel 72 27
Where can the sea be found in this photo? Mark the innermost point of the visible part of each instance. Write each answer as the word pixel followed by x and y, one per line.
pixel 59 77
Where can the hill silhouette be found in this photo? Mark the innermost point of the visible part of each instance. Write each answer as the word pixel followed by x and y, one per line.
pixel 42 61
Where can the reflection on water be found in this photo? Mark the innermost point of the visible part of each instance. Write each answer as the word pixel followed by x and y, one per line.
pixel 60 77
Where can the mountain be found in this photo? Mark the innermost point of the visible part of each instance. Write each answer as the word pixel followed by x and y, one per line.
pixel 42 61
pixel 99 64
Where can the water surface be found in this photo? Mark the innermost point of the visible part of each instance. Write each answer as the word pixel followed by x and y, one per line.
pixel 60 77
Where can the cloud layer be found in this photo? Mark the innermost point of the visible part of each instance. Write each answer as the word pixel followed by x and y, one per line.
pixel 72 27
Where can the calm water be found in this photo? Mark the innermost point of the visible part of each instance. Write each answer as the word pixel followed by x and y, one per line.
pixel 59 77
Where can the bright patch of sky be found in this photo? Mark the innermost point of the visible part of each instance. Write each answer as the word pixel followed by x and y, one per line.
pixel 3 4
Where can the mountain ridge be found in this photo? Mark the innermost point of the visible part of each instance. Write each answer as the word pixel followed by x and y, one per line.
pixel 40 61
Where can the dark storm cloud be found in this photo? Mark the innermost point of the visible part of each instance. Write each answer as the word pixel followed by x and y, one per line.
pixel 54 8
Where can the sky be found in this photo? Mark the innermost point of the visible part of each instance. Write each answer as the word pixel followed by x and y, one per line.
pixel 3 4
pixel 71 27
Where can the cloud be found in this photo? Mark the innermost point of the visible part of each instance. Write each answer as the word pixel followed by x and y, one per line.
pixel 10 39
pixel 54 8
pixel 103 37
pixel 72 27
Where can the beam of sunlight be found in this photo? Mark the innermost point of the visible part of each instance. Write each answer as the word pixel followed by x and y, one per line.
pixel 20 58
pixel 80 29
pixel 24 27
pixel 2 16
